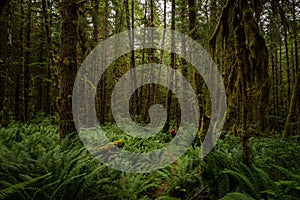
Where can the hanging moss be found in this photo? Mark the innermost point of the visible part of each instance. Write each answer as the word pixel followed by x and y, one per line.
pixel 258 60
pixel 246 58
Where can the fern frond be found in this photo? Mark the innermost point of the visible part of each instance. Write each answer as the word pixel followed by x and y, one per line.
pixel 59 188
pixel 236 196
pixel 20 186
pixel 242 180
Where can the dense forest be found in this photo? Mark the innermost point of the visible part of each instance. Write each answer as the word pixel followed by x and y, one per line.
pixel 229 129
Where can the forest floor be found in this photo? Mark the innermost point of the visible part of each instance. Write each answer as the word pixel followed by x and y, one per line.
pixel 37 164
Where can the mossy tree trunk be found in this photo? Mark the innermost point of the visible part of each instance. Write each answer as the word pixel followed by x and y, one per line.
pixel 248 80
pixel 104 81
pixel 243 63
pixel 293 104
pixel 96 32
pixel 67 65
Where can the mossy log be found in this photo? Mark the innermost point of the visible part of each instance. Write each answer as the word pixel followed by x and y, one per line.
pixel 107 148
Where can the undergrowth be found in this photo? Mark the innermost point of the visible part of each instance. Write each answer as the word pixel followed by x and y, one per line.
pixel 36 164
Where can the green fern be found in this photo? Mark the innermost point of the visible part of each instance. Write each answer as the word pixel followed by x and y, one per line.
pixel 64 183
pixel 32 150
pixel 236 196
pixel 242 179
pixel 20 186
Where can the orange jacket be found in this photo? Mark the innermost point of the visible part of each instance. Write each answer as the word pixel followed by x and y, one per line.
pixel 173 132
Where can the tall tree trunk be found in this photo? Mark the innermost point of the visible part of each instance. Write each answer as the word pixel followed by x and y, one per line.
pixel 243 65
pixel 184 63
pixel 95 21
pixel 196 76
pixel 67 65
pixel 142 99
pixel 132 61
pixel 296 37
pixel 213 14
pixel 7 101
pixel 193 34
pixel 26 84
pixel 134 103
pixel 51 89
pixel 22 113
pixel 172 64
pixel 273 87
pixel 287 64
pixel 276 83
pixel 293 104
pixel 104 84
pixel 161 53
pixel 295 96
pixel 280 82
pixel 149 98
pixel 162 42
pixel 96 32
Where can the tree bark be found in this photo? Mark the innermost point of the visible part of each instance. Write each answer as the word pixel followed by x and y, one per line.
pixel 171 76
pixel 7 99
pixel 52 89
pixel 130 27
pixel 288 74
pixel 22 116
pixel 296 37
pixel 149 98
pixel 293 104
pixel 213 14
pixel 25 70
pixel 103 85
pixel 141 99
pixel 95 21
pixel 243 64
pixel 67 65
pixel 184 63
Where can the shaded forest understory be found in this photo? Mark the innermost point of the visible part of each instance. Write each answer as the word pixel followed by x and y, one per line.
pixel 255 46
pixel 37 164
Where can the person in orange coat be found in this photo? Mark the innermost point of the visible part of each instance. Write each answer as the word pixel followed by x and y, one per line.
pixel 173 132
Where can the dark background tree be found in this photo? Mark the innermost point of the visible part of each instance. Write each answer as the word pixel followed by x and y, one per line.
pixel 67 65
pixel 3 5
